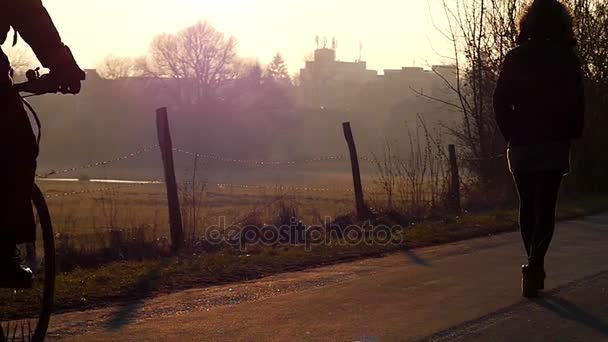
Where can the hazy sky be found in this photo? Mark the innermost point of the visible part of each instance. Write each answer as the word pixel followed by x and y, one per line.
pixel 394 33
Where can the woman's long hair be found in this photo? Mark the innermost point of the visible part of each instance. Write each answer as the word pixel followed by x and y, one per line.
pixel 547 19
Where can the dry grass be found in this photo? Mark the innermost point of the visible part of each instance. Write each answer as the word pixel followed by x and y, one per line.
pixel 130 207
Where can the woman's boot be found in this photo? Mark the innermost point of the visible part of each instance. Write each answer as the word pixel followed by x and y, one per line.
pixel 543 275
pixel 532 280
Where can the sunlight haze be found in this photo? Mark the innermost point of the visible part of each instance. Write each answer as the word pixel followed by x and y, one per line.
pixel 394 33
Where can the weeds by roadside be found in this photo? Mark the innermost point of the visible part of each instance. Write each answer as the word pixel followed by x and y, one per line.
pixel 414 182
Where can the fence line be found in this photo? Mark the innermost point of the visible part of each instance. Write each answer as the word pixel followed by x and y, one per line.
pixel 91 191
pixel 266 163
pixel 225 187
pixel 99 163
pixel 215 157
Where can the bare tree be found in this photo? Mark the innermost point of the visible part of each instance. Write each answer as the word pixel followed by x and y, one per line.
pixel 413 181
pixel 114 67
pixel 21 59
pixel 480 33
pixel 589 165
pixel 200 59
pixel 140 67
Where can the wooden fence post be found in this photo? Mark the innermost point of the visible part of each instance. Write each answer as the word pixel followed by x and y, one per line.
pixel 166 148
pixel 354 160
pixel 454 185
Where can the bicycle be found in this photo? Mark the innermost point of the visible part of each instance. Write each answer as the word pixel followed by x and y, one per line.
pixel 25 312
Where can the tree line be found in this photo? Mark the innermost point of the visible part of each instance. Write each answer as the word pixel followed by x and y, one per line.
pixel 481 33
pixel 199 74
pixel 198 62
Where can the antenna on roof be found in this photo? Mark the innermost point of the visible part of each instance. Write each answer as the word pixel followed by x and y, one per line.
pixel 360 51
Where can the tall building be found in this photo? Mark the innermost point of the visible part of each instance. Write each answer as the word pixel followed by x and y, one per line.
pixel 328 82
pixel 325 81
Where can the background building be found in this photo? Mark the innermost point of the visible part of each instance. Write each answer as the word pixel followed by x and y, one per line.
pixel 329 83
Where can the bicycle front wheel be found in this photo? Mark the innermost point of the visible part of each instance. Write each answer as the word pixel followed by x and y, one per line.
pixel 25 313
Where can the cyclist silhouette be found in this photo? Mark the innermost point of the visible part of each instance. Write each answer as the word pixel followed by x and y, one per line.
pixel 539 106
pixel 18 146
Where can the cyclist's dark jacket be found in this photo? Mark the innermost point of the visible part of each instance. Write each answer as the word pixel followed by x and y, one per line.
pixel 32 21
pixel 18 148
pixel 539 97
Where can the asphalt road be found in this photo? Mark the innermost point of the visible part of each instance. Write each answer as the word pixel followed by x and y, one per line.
pixel 466 291
pixel 577 312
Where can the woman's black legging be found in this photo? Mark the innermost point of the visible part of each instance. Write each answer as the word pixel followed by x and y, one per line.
pixel 538 194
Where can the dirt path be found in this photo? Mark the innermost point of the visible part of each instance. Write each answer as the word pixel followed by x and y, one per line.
pixel 405 296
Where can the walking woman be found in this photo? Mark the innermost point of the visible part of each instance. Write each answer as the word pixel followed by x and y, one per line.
pixel 539 107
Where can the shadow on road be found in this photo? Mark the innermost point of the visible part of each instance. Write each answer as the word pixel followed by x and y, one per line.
pixel 572 312
pixel 143 289
pixel 417 259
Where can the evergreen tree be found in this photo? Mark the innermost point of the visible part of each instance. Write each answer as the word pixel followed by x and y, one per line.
pixel 277 70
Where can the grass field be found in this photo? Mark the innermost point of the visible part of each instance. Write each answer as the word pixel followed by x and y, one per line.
pixel 122 281
pixel 86 211
pixel 81 208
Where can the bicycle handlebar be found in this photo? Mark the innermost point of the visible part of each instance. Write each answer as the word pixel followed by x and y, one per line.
pixel 37 84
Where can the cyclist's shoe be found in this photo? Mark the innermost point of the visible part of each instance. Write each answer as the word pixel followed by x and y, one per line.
pixel 13 274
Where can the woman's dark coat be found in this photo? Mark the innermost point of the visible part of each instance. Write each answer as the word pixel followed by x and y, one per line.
pixel 539 96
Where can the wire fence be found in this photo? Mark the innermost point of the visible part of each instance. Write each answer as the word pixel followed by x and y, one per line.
pixel 213 157
pixel 92 191
pixel 224 187
pixel 101 163
pixel 227 162
pixel 266 163
pixel 221 187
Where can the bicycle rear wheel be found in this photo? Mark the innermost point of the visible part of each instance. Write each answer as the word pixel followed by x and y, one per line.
pixel 25 313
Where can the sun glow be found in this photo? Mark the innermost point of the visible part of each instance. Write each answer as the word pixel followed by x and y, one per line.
pixel 393 33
